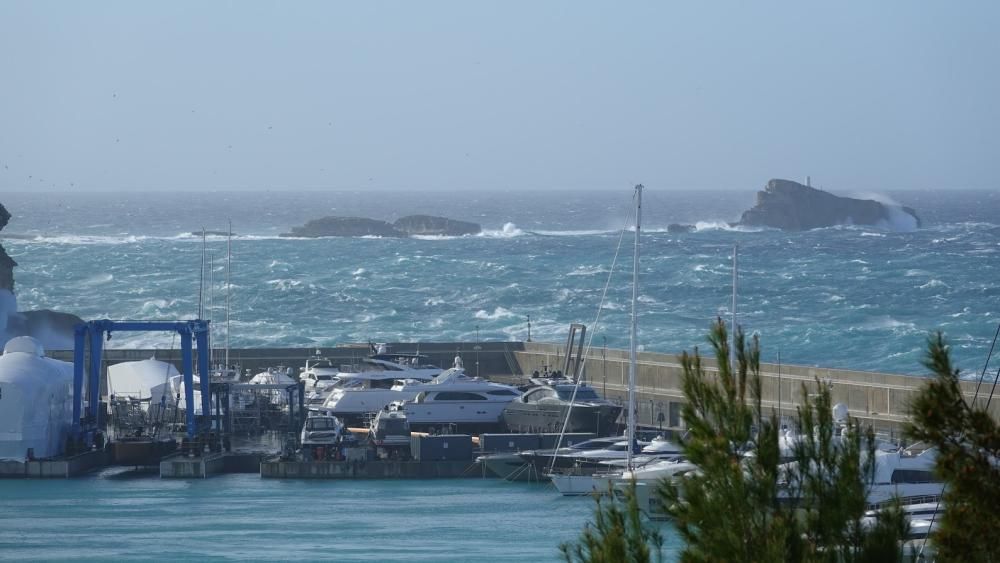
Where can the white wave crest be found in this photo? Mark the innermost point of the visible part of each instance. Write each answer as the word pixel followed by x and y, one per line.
pixel 577 233
pixel 434 237
pixel 284 284
pixel 899 220
pixel 588 271
pixel 509 230
pixel 498 313
pixel 932 284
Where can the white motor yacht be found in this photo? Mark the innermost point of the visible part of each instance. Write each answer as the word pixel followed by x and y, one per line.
pixel 359 394
pixel 458 402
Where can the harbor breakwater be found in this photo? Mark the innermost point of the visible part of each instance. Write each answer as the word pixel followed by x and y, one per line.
pixel 878 398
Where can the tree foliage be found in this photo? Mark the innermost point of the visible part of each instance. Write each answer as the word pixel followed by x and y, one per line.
pixel 617 535
pixel 968 443
pixel 745 503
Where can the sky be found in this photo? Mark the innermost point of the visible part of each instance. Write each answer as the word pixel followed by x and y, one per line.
pixel 511 95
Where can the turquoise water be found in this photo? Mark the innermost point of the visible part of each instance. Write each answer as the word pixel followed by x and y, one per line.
pixel 244 517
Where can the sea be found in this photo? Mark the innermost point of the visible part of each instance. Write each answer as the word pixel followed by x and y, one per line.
pixel 852 297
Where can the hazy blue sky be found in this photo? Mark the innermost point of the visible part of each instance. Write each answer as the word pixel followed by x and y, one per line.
pixel 494 95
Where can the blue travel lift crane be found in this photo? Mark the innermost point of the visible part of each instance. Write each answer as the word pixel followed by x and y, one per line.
pixel 84 430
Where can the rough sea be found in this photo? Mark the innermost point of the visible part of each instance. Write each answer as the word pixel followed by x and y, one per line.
pixel 849 297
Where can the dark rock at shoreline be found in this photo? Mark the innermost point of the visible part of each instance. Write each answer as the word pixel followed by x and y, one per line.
pixel 6 262
pixel 212 233
pixel 679 228
pixel 791 206
pixel 404 227
pixel 53 329
pixel 344 227
pixel 430 225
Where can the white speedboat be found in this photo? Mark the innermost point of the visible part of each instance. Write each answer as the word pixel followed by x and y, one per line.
pixel 458 402
pixel 595 471
pixel 389 429
pixel 322 431
pixel 532 465
pixel 615 475
pixel 318 374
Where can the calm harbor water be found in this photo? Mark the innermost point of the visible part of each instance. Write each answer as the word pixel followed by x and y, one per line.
pixel 244 517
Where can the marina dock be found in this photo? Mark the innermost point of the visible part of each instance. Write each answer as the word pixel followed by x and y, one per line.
pixel 876 398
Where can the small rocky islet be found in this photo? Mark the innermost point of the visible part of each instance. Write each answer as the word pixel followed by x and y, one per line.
pixel 791 206
pixel 411 225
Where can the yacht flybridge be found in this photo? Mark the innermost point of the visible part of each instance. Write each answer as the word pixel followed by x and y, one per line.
pixel 378 371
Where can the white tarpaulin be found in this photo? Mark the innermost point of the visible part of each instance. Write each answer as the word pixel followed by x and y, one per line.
pixel 145 379
pixel 36 401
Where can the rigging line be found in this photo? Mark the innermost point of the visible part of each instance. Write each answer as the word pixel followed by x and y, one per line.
pixel 937 505
pixel 597 318
pixel 983 374
pixel 992 391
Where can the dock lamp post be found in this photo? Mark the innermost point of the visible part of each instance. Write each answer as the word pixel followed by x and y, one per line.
pixel 529 328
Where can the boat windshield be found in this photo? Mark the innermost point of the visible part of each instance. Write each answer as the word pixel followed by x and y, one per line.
pixel 392 425
pixel 323 377
pixel 582 394
pixel 321 424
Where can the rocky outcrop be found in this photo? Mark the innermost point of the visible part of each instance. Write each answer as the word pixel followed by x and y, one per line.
pixel 6 262
pixel 404 227
pixel 53 329
pixel 680 228
pixel 344 227
pixel 440 226
pixel 791 206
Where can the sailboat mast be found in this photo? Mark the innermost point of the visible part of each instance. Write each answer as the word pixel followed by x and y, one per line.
pixel 201 277
pixel 633 336
pixel 229 287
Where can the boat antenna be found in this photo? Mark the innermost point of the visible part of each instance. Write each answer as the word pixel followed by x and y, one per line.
pixel 229 285
pixel 634 333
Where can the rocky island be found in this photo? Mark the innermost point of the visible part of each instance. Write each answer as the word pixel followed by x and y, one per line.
pixel 791 206
pixel 411 225
pixel 53 329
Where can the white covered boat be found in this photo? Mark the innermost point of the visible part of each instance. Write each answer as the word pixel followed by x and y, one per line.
pixel 36 401
pixel 144 380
